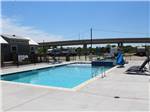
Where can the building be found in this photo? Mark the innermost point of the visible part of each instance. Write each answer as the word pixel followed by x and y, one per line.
pixel 15 48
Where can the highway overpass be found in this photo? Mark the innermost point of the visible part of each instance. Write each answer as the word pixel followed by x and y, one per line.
pixel 85 42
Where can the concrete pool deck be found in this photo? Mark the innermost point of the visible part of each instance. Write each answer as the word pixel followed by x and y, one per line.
pixel 133 91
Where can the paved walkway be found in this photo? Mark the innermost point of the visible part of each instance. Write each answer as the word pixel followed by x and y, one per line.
pixel 133 91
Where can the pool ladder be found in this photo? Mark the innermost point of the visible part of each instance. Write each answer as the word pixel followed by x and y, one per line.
pixel 94 73
pixel 103 73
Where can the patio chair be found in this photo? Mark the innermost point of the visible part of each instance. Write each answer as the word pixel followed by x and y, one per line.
pixel 141 68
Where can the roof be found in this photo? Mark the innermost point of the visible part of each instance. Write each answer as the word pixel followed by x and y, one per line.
pixel 2 41
pixel 13 37
pixel 32 42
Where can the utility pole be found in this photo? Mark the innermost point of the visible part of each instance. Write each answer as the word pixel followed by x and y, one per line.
pixel 79 36
pixel 43 44
pixel 91 38
pixel 44 52
pixel 91 45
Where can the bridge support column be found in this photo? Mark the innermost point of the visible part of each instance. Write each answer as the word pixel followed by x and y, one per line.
pixel 54 46
pixel 120 44
pixel 85 50
pixel 50 47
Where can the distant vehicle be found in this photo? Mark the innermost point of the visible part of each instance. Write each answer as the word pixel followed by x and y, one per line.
pixel 49 51
pixel 141 51
pixel 61 52
pixel 65 52
pixel 54 52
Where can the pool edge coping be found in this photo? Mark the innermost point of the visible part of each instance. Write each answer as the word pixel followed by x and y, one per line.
pixel 48 66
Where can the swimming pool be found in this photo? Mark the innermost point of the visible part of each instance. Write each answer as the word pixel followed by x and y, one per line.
pixel 66 76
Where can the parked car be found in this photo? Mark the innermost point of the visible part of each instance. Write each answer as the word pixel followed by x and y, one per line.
pixel 49 51
pixel 141 51
pixel 61 52
pixel 53 52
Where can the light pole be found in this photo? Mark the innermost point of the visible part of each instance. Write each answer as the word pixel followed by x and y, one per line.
pixel 91 35
pixel 91 38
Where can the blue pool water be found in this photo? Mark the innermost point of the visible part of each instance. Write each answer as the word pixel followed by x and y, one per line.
pixel 67 76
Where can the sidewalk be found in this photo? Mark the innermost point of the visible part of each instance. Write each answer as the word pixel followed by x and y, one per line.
pixel 132 90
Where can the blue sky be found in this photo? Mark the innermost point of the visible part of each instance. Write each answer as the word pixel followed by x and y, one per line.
pixel 66 20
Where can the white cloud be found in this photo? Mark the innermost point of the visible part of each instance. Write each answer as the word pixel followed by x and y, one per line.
pixel 11 26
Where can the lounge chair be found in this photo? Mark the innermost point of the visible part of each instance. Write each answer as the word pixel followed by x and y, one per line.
pixel 142 68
